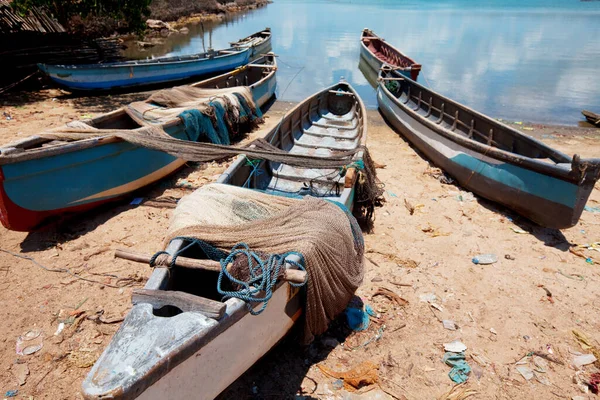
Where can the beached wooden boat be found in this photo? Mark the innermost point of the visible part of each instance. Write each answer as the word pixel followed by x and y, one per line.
pixel 313 128
pixel 40 178
pixel 198 354
pixel 487 157
pixel 136 73
pixel 592 117
pixel 259 43
pixel 376 52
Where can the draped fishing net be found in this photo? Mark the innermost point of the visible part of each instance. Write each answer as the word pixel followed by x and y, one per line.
pixel 216 116
pixel 327 237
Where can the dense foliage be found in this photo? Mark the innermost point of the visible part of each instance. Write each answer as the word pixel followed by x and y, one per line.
pixel 132 12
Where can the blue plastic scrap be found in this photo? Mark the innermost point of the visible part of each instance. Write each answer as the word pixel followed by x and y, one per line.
pixel 358 320
pixel 11 393
pixel 460 368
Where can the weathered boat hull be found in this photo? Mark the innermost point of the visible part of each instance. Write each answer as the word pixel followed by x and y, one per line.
pixel 375 59
pixel 189 355
pixel 134 74
pixel 90 172
pixel 553 200
pixel 259 48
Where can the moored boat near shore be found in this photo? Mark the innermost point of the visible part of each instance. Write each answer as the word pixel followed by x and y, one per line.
pixel 592 117
pixel 259 43
pixel 136 73
pixel 487 157
pixel 376 52
pixel 199 348
pixel 41 178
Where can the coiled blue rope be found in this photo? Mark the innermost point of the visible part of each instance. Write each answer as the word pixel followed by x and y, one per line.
pixel 263 276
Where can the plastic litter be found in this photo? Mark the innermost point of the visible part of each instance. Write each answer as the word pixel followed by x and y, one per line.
pixel 449 324
pixel 11 393
pixel 584 359
pixel 137 201
pixel 460 368
pixel 455 346
pixel 594 382
pixel 362 375
pixel 542 378
pixel 20 371
pixel 485 259
pixel 427 298
pixel 30 342
pixel 358 320
pixel 60 328
pixel 592 209
pixel 526 372
pixel 338 384
pixel 518 230
pixel 370 311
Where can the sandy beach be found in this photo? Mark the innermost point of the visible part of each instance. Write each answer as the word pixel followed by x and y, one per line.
pixel 420 249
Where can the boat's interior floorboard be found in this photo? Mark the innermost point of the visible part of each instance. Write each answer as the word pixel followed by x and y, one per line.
pixel 324 135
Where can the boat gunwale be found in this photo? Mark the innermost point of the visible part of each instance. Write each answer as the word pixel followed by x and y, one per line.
pixel 491 151
pixel 265 34
pixel 175 60
pixel 413 63
pixel 40 152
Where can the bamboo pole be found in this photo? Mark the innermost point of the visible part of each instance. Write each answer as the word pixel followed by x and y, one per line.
pixel 290 275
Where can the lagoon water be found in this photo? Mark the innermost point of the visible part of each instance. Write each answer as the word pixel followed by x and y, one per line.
pixel 529 60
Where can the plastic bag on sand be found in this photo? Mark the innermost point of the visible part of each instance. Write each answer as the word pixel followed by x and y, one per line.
pixel 363 375
pixel 460 369
pixel 358 320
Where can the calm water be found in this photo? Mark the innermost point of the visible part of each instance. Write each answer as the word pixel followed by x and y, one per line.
pixel 526 60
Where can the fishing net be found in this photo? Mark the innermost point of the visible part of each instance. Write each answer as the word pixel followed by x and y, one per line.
pixel 325 235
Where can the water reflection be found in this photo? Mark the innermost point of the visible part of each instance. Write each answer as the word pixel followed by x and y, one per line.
pixel 524 60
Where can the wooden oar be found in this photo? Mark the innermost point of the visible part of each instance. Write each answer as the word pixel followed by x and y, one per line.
pixel 290 275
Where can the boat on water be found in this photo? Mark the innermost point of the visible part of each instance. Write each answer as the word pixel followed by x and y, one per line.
pixel 487 157
pixel 376 52
pixel 259 43
pixel 136 73
pixel 592 117
pixel 197 354
pixel 42 178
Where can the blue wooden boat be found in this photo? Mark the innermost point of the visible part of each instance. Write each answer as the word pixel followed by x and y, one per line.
pixel 40 178
pixel 376 52
pixel 196 352
pixel 136 73
pixel 487 157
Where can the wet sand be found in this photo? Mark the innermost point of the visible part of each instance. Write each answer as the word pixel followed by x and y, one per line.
pixel 502 310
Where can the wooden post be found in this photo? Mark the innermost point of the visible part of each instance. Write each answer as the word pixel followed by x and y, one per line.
pixel 290 275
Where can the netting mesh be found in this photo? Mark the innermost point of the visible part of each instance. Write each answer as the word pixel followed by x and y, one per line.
pixel 326 236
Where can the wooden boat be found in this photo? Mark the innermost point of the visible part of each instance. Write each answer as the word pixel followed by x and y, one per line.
pixel 592 117
pixel 487 157
pixel 40 179
pixel 198 354
pixel 259 43
pixel 136 73
pixel 376 52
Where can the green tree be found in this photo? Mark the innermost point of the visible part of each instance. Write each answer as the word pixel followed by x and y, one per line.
pixel 130 11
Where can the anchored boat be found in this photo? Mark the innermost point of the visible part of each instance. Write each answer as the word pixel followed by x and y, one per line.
pixel 259 43
pixel 376 52
pixel 41 177
pixel 180 339
pixel 135 73
pixel 487 157
pixel 592 117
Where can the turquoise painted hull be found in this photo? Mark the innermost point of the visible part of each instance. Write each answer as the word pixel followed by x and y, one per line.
pixel 76 180
pixel 550 198
pixel 139 73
